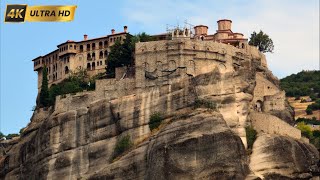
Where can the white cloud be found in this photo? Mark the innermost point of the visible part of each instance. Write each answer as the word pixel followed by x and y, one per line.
pixel 292 24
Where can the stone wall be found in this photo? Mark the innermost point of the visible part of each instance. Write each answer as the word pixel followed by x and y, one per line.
pixel 270 124
pixel 274 102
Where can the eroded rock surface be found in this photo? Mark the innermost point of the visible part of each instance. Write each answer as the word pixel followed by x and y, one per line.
pixel 76 139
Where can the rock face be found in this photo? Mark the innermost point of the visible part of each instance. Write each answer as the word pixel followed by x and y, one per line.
pixel 76 139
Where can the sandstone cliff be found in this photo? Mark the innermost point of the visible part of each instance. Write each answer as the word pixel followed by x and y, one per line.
pixel 76 139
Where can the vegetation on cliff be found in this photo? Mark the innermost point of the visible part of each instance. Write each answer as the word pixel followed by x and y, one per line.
pixel 155 120
pixel 122 145
pixel 262 41
pixel 44 93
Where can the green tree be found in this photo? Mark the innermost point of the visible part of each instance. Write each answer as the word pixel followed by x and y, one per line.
pixel 10 136
pixel 262 41
pixel 44 93
pixel 120 55
pixel 309 111
pixel 144 37
pixel 305 130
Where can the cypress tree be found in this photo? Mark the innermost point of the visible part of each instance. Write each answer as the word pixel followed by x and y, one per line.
pixel 44 93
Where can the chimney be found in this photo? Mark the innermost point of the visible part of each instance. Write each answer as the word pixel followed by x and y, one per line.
pixel 125 28
pixel 85 37
pixel 112 31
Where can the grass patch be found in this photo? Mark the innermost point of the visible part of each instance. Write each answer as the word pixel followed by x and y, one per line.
pixel 155 120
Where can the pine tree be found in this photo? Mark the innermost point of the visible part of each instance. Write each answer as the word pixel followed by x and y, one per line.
pixel 44 93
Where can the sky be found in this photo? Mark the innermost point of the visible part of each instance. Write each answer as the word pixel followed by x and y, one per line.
pixel 293 26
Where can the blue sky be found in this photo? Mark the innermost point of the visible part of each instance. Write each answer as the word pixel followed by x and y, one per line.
pixel 292 24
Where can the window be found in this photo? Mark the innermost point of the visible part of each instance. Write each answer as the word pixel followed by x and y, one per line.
pixel 100 63
pixel 100 55
pixel 105 43
pixel 105 53
pixel 74 47
pixel 88 47
pixel 81 48
pixel 93 56
pixel 100 44
pixel 88 66
pixel 66 70
pixel 70 47
pixel 88 56
pixel 93 46
pixel 93 66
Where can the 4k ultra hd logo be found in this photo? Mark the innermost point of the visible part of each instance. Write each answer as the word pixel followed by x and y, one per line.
pixel 22 12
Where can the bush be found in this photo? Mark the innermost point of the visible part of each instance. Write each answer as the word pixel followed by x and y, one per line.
pixel 155 120
pixel 251 135
pixel 122 145
pixel 309 111
pixel 204 103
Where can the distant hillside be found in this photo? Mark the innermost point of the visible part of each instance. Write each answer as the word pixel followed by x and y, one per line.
pixel 305 83
pixel 302 91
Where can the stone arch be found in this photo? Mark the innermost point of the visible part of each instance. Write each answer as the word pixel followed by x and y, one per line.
pixel 258 106
pixel 172 65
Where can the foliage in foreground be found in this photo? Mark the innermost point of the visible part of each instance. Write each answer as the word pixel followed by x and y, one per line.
pixel 122 145
pixel 155 120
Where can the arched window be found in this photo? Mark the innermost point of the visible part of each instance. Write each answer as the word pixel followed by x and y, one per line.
pixel 105 43
pixel 81 48
pixel 88 47
pixel 88 56
pixel 93 66
pixel 100 55
pixel 105 53
pixel 66 70
pixel 88 67
pixel 93 46
pixel 100 45
pixel 93 56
